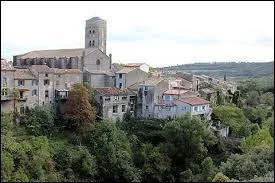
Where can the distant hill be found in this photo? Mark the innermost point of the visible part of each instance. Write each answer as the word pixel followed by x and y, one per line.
pixel 232 69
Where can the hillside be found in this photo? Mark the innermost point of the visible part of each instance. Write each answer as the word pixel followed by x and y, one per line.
pixel 232 69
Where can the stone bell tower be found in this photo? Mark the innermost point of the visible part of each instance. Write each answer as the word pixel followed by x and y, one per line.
pixel 96 33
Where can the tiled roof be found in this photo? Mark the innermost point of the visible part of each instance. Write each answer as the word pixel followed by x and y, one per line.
pixel 194 100
pixel 53 53
pixel 66 71
pixel 134 64
pixel 175 92
pixel 5 65
pixel 113 91
pixel 23 74
pixel 125 70
pixel 153 81
pixel 42 68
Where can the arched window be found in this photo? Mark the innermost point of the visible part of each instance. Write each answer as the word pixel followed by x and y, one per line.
pixel 97 62
pixel 93 31
pixel 90 43
pixel 93 43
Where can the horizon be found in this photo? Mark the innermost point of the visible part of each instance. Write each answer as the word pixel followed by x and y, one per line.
pixel 177 37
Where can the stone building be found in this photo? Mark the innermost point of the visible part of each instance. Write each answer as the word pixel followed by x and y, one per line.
pixel 112 103
pixel 7 86
pixel 142 66
pixel 129 76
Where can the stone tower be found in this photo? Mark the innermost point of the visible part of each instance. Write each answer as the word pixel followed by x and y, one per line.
pixel 96 33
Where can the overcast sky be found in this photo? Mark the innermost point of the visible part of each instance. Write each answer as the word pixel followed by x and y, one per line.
pixel 158 33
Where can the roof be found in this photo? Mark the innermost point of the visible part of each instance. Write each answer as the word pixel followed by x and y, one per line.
pixel 113 91
pixel 175 92
pixel 66 71
pixel 153 81
pixel 53 53
pixel 5 65
pixel 23 74
pixel 134 64
pixel 125 70
pixel 42 68
pixel 194 100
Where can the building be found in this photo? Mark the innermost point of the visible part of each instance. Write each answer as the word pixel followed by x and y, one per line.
pixel 142 66
pixel 149 93
pixel 7 87
pixel 113 103
pixel 129 76
pixel 170 108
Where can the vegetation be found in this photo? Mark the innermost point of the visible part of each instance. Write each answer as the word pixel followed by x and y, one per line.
pixel 76 147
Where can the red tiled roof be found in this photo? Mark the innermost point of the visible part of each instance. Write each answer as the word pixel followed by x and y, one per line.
pixel 113 91
pixel 194 100
pixel 23 74
pixel 175 92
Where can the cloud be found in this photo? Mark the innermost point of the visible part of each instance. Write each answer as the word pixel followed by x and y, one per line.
pixel 161 33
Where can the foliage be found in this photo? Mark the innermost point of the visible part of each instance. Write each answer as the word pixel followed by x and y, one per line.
pixel 113 152
pixel 208 170
pixel 78 109
pixel 256 115
pixel 258 161
pixel 39 120
pixel 220 177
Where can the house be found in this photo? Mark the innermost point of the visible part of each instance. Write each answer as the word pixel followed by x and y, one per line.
pixel 7 86
pixel 149 93
pixel 129 76
pixel 142 66
pixel 180 93
pixel 113 103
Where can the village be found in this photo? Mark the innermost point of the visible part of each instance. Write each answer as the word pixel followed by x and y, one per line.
pixel 46 76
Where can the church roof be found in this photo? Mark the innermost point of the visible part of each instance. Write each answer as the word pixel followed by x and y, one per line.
pixel 53 53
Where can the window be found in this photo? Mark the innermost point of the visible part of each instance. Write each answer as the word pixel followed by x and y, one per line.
pixel 34 92
pixel 46 82
pixel 93 43
pixel 21 94
pixel 131 107
pixel 34 82
pixel 90 31
pixel 93 31
pixel 4 91
pixel 22 110
pixel 46 75
pixel 46 93
pixel 90 43
pixel 123 108
pixel 146 107
pixel 107 99
pixel 120 75
pixel 116 97
pixel 168 108
pixel 66 85
pixel 21 82
pixel 203 107
pixel 4 80
pixel 57 83
pixel 124 97
pixel 145 88
pixel 120 85
pixel 97 62
pixel 115 109
pixel 196 108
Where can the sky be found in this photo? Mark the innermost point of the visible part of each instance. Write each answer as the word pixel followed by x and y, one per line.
pixel 157 33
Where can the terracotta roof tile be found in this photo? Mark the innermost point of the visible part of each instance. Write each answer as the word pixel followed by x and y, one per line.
pixel 194 100
pixel 23 74
pixel 125 70
pixel 5 65
pixel 66 71
pixel 41 68
pixel 113 91
pixel 175 92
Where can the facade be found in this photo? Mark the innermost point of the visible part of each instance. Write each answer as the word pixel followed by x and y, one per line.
pixel 129 76
pixel 149 93
pixel 7 87
pixel 113 103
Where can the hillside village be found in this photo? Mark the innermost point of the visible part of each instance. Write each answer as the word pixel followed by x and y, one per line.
pixel 43 77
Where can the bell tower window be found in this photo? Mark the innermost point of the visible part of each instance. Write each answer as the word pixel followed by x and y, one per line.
pixel 93 43
pixel 90 43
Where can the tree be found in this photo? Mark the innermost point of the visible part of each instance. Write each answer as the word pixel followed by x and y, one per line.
pixel 252 98
pixel 208 169
pixel 256 115
pixel 78 109
pixel 113 153
pixel 40 120
pixel 258 161
pixel 220 177
pixel 187 140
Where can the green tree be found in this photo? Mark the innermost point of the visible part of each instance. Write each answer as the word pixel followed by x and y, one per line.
pixel 208 170
pixel 258 161
pixel 113 153
pixel 256 115
pixel 220 177
pixel 78 109
pixel 40 120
